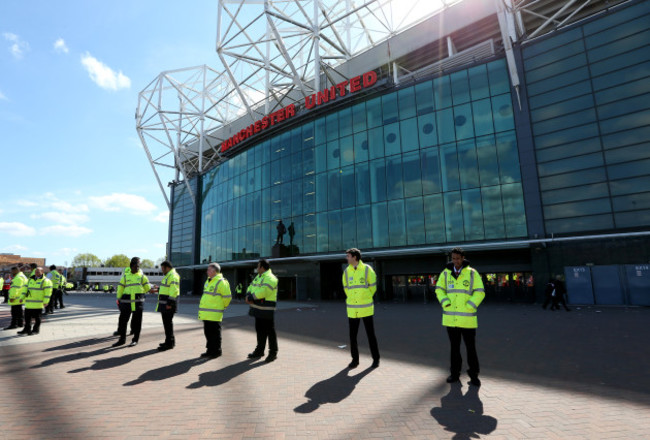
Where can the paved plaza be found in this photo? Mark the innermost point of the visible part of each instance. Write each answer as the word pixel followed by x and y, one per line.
pixel 584 374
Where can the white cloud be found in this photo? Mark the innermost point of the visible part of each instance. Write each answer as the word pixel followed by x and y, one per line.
pixel 14 248
pixel 60 46
pixel 17 229
pixel 162 217
pixel 104 76
pixel 62 217
pixel 26 203
pixel 65 230
pixel 18 47
pixel 3 97
pixel 120 202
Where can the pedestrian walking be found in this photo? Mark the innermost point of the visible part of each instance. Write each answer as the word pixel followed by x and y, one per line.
pixel 214 301
pixel 133 285
pixel 360 285
pixel 262 297
pixel 460 291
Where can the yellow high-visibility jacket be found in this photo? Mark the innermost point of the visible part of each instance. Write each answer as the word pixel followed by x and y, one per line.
pixel 360 285
pixel 460 297
pixel 215 299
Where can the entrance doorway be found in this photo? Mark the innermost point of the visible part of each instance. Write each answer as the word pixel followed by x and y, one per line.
pixel 287 288
pixel 509 286
pixel 412 288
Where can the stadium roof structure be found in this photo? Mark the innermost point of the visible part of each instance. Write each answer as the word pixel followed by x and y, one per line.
pixel 273 53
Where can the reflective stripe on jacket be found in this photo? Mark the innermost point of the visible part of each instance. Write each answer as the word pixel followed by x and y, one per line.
pixel 215 299
pixel 38 293
pixel 263 291
pixel 169 290
pixel 460 297
pixel 131 289
pixel 18 289
pixel 359 284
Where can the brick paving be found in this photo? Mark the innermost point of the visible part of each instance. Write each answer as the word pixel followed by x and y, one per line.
pixel 546 375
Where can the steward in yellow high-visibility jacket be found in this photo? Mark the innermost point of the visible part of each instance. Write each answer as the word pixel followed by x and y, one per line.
pixel 16 297
pixel 130 295
pixel 262 297
pixel 460 291
pixel 168 302
pixel 360 285
pixel 57 285
pixel 214 301
pixel 39 291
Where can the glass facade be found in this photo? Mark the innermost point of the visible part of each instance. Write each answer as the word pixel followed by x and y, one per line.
pixel 182 224
pixel 436 162
pixel 589 96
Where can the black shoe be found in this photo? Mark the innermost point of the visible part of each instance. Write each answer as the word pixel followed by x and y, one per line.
pixel 452 379
pixel 255 355
pixel 118 343
pixel 116 333
pixel 375 363
pixel 165 347
pixel 211 355
pixel 353 364
pixel 34 332
pixel 62 307
pixel 271 357
pixel 23 332
pixel 133 343
pixel 474 381
pixel 11 327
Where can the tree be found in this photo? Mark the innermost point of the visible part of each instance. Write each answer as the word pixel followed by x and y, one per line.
pixel 86 260
pixel 147 263
pixel 119 260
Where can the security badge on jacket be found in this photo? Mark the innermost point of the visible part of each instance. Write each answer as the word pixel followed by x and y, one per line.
pixel 361 280
pixel 450 284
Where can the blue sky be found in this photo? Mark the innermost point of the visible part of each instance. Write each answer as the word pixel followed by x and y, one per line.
pixel 75 177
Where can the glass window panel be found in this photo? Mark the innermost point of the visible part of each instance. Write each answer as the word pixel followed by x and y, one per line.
pixel 478 82
pixel 286 169
pixel 625 122
pixel 257 207
pixel 409 134
pixel 631 202
pixel 364 227
pixel 258 179
pixel 309 235
pixel 389 106
pixel 553 96
pixel 553 69
pixel 296 140
pixel 406 100
pixel 614 19
pixel 473 214
pixel 424 97
pixel 562 108
pixel 320 133
pixel 332 126
pixel 577 209
pixel 296 198
pixel 482 111
pixel 377 180
pixel 449 168
pixel 498 76
pixel 508 157
pixel 633 219
pixel 333 155
pixel 334 230
pixel 346 151
pixel 362 177
pixel 582 192
pixel 379 225
pixel 396 223
pixel 296 166
pixel 467 164
pixel 285 144
pixel 445 124
pixel 459 87
pixel 298 231
pixel 308 135
pixel 360 147
pixel 321 157
pixel 626 138
pixel 430 171
pixel 308 161
pixel 412 174
pixel 502 113
pixel 624 44
pixel 376 142
pixel 630 169
pixel 563 151
pixel 486 152
pixel 359 117
pixel 578 118
pixel 415 221
pixel 563 79
pixel 348 228
pixel 567 136
pixel 574 178
pixel 348 188
pixel 463 121
pixel 559 39
pixel 309 194
pixel 635 152
pixel 334 190
pixel 568 165
pixel 392 139
pixel 442 92
pixel 427 130
pixel 394 185
pixel 625 106
pixel 276 202
pixel 345 122
pixel 321 192
pixel 373 110
pixel 513 210
pixel 454 216
pixel 606 73
pixel 558 53
pixel 493 212
pixel 322 231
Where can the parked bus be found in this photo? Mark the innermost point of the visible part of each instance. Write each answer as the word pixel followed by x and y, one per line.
pixel 95 278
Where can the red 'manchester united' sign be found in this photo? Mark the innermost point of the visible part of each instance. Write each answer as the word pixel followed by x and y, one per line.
pixel 355 84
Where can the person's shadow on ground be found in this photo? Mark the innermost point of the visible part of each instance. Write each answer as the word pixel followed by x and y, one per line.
pixel 79 344
pixel 219 377
pixel 331 390
pixel 463 415
pixel 104 364
pixel 167 372
pixel 73 357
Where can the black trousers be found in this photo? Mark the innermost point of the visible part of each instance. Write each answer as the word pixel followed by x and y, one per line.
pixel 168 325
pixel 469 336
pixel 57 298
pixel 49 308
pixel 212 332
pixel 136 323
pixel 17 315
pixel 368 323
pixel 265 329
pixel 29 314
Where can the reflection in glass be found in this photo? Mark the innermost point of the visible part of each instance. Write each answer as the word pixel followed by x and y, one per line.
pixel 434 219
pixel 379 225
pixel 454 216
pixel 364 227
pixel 415 221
